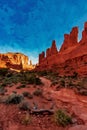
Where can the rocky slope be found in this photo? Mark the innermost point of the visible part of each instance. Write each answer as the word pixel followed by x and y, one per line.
pixel 72 56
pixel 13 118
pixel 16 61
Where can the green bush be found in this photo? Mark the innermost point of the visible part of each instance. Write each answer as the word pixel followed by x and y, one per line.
pixel 3 71
pixel 33 79
pixel 38 81
pixel 62 82
pixel 2 90
pixel 62 118
pixel 54 83
pixel 70 83
pixel 27 94
pixel 14 99
pixel 12 77
pixel 38 92
pixel 10 74
pixel 42 73
pixel 75 75
pixel 24 105
pixel 21 86
pixel 3 84
pixel 83 83
pixel 23 77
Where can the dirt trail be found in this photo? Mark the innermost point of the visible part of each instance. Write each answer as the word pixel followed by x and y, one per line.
pixel 46 82
pixel 64 99
pixel 77 103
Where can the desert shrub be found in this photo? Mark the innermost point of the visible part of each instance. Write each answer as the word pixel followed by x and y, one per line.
pixel 3 84
pixel 14 99
pixel 18 87
pixel 42 73
pixel 53 76
pixel 27 94
pixel 75 75
pixel 24 105
pixel 12 78
pixel 23 77
pixel 38 81
pixel 23 82
pixel 10 74
pixel 81 86
pixel 70 83
pixel 62 118
pixel 54 83
pixel 27 119
pixel 38 92
pixel 2 90
pixel 7 81
pixel 3 71
pixel 32 79
pixel 82 92
pixel 62 82
pixel 21 86
pixel 14 92
pixel 83 83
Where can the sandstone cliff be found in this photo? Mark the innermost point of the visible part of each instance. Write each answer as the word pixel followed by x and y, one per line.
pixel 16 61
pixel 72 56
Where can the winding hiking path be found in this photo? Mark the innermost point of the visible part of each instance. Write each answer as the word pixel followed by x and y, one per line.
pixel 78 103
pixel 64 99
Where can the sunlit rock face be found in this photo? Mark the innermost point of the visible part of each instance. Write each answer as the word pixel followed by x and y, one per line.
pixel 72 56
pixel 16 61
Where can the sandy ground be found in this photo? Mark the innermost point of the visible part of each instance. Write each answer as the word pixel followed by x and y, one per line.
pixel 76 105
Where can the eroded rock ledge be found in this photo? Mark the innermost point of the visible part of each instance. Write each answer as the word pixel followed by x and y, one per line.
pixel 72 56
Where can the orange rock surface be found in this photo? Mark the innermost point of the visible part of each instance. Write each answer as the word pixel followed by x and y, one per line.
pixel 71 58
pixel 16 61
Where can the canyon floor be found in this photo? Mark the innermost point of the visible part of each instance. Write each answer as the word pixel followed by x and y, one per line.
pixel 39 114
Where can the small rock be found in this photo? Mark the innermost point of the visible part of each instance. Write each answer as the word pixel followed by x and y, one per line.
pixel 74 120
pixel 79 127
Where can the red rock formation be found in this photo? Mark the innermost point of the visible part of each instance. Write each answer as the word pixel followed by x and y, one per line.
pixel 70 40
pixel 16 61
pixel 54 48
pixel 74 35
pixel 71 58
pixel 84 34
pixel 41 57
pixel 48 52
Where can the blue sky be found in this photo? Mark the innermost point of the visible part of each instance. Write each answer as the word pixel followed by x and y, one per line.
pixel 29 26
